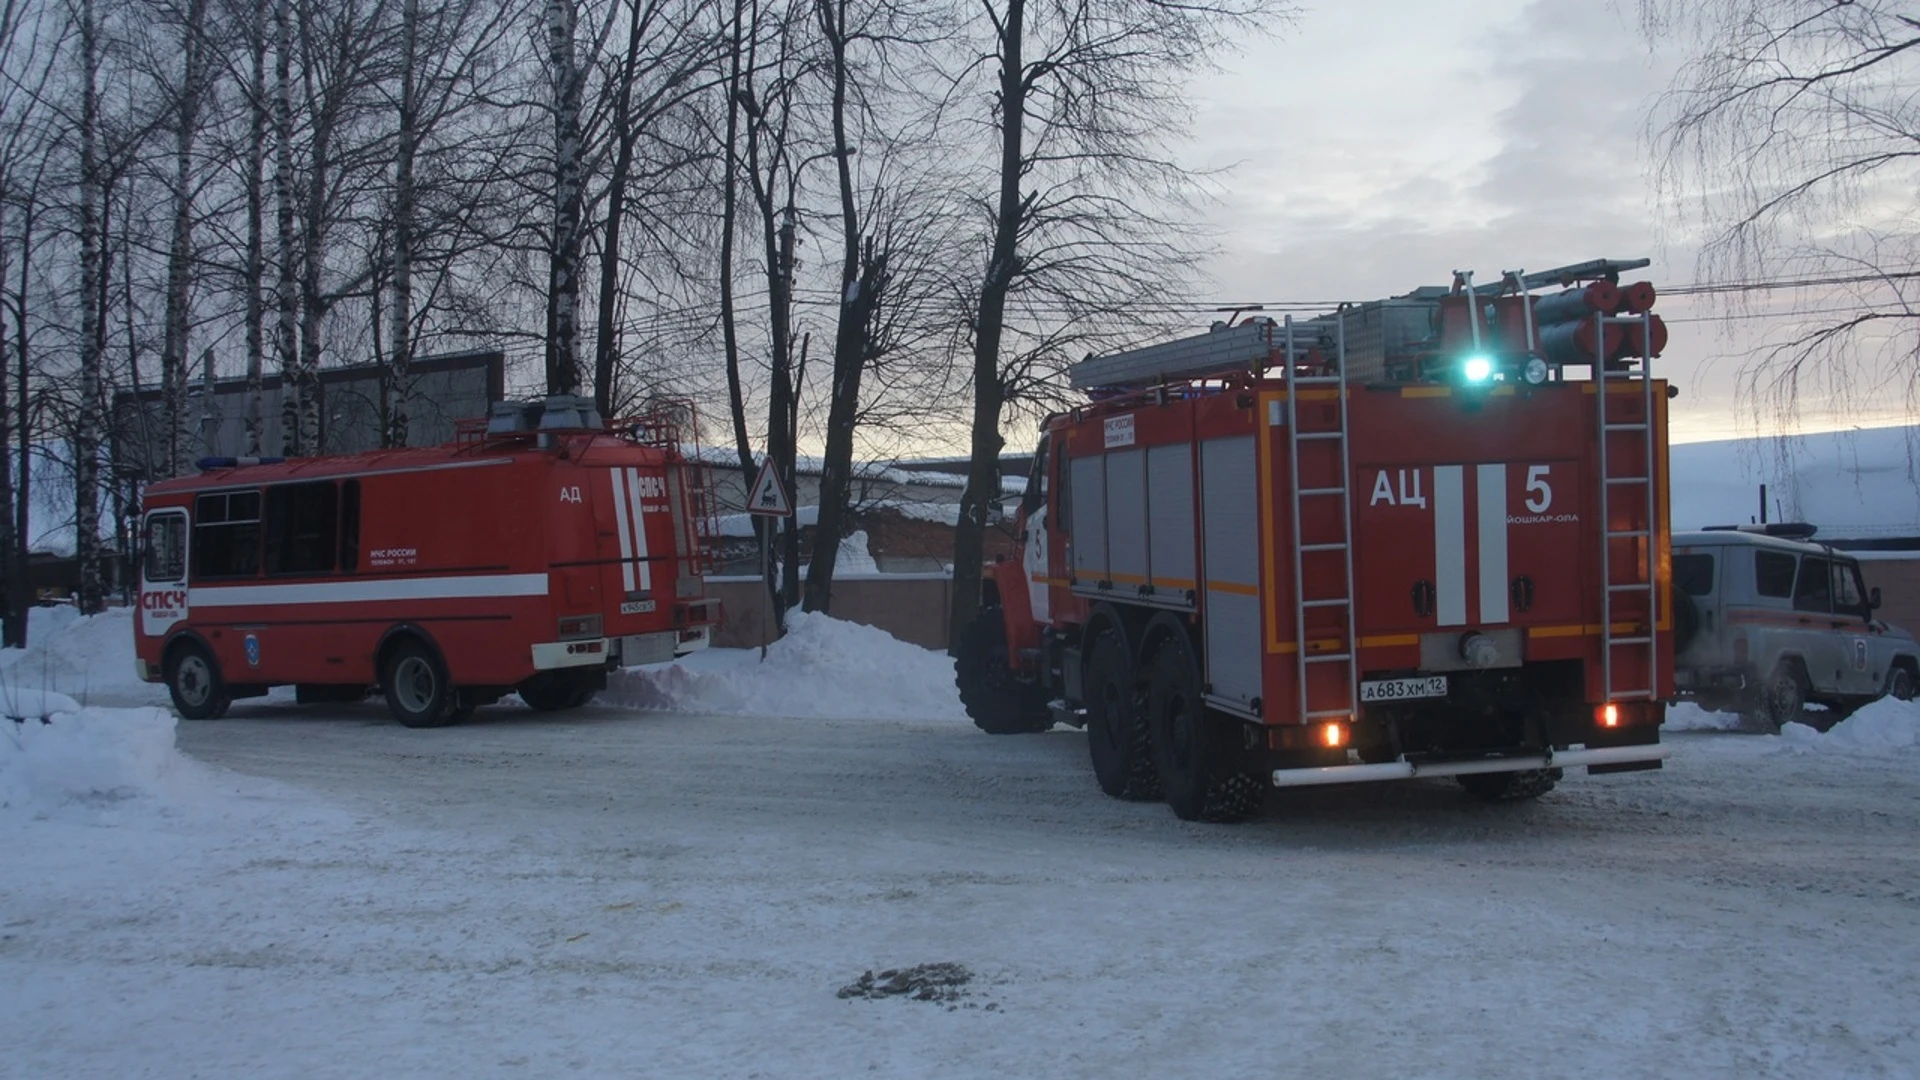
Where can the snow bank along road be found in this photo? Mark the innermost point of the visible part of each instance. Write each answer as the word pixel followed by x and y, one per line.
pixel 623 894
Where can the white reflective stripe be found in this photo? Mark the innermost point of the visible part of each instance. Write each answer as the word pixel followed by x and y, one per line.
pixel 1449 545
pixel 620 526
pixel 1492 538
pixel 639 515
pixel 354 592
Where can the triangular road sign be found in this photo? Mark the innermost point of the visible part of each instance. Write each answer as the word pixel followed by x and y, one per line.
pixel 769 496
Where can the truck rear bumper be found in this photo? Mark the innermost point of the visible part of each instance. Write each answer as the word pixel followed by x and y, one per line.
pixel 1407 770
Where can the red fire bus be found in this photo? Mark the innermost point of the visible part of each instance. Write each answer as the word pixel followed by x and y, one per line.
pixel 531 555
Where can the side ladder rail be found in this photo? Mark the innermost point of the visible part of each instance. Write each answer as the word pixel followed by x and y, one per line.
pixel 1646 481
pixel 1344 544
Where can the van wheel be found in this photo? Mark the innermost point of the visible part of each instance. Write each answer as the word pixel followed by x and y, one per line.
pixel 1900 684
pixel 1783 700
pixel 194 682
pixel 1193 749
pixel 417 687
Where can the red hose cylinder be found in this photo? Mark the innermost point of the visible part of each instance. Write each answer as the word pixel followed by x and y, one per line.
pixel 1633 343
pixel 1636 298
pixel 1577 343
pixel 1576 304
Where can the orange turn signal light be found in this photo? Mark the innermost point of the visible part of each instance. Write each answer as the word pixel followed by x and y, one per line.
pixel 1610 715
pixel 1333 735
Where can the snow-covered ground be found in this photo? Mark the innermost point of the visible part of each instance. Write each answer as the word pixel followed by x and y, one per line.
pixel 683 889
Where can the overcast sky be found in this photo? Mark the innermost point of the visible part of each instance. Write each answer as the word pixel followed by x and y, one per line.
pixel 1377 145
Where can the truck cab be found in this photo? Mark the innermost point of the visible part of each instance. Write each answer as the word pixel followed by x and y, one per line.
pixel 1771 622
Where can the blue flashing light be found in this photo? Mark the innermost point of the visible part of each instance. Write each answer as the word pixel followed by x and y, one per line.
pixel 1477 369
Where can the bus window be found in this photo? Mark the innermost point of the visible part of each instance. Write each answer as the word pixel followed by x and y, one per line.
pixel 226 534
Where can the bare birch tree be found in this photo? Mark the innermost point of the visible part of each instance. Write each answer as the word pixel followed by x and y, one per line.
pixel 1085 211
pixel 1788 147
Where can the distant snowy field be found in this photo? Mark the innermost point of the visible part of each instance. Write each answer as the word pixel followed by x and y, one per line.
pixel 678 881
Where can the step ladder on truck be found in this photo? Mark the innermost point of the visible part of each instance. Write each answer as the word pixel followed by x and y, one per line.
pixel 1423 536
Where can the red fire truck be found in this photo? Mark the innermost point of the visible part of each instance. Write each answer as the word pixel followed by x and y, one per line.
pixel 1424 536
pixel 530 555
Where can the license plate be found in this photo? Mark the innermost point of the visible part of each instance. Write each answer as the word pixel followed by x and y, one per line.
pixel 637 607
pixel 1403 689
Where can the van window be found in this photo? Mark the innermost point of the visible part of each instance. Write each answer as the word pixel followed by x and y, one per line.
pixel 226 534
pixel 300 528
pixel 1814 592
pixel 166 548
pixel 1773 573
pixel 1693 573
pixel 1847 596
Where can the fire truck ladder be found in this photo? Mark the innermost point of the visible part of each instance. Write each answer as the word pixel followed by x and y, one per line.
pixel 1339 489
pixel 1638 486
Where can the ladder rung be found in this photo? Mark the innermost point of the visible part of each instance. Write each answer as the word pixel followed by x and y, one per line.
pixel 1330 658
pixel 1304 492
pixel 1628 479
pixel 1316 380
pixel 1338 601
pixel 1321 714
pixel 1626 427
pixel 1303 436
pixel 1629 641
pixel 1630 534
pixel 1630 695
pixel 1323 547
pixel 1630 585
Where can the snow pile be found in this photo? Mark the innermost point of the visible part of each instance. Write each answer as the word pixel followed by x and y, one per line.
pixel 85 656
pixel 1885 726
pixel 824 668
pixel 854 556
pixel 88 755
pixel 1686 716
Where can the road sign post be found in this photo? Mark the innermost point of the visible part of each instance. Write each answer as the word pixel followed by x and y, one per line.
pixel 768 500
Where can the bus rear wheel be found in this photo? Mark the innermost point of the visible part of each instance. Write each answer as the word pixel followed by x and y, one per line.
pixel 417 689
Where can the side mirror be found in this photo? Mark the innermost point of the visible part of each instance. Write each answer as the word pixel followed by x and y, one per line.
pixel 1873 598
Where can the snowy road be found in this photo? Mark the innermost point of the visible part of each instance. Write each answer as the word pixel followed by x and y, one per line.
pixel 620 894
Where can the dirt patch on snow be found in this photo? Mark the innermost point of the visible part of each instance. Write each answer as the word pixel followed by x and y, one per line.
pixel 945 983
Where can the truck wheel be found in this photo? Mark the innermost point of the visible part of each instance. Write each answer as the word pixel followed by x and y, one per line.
pixel 998 701
pixel 417 688
pixel 547 693
pixel 1117 734
pixel 1193 750
pixel 1510 786
pixel 194 682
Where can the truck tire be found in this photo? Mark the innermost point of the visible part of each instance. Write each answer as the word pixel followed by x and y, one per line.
pixel 417 688
pixel 552 693
pixel 998 702
pixel 1118 739
pixel 1510 786
pixel 1900 684
pixel 1193 750
pixel 194 683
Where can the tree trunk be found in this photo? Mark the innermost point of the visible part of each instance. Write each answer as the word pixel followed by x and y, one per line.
pixel 256 268
pixel 729 329
pixel 86 433
pixel 19 589
pixel 563 274
pixel 860 284
pixel 12 616
pixel 285 295
pixel 983 465
pixel 606 345
pixel 173 350
pixel 398 383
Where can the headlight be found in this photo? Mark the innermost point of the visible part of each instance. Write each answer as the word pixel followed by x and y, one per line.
pixel 1535 371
